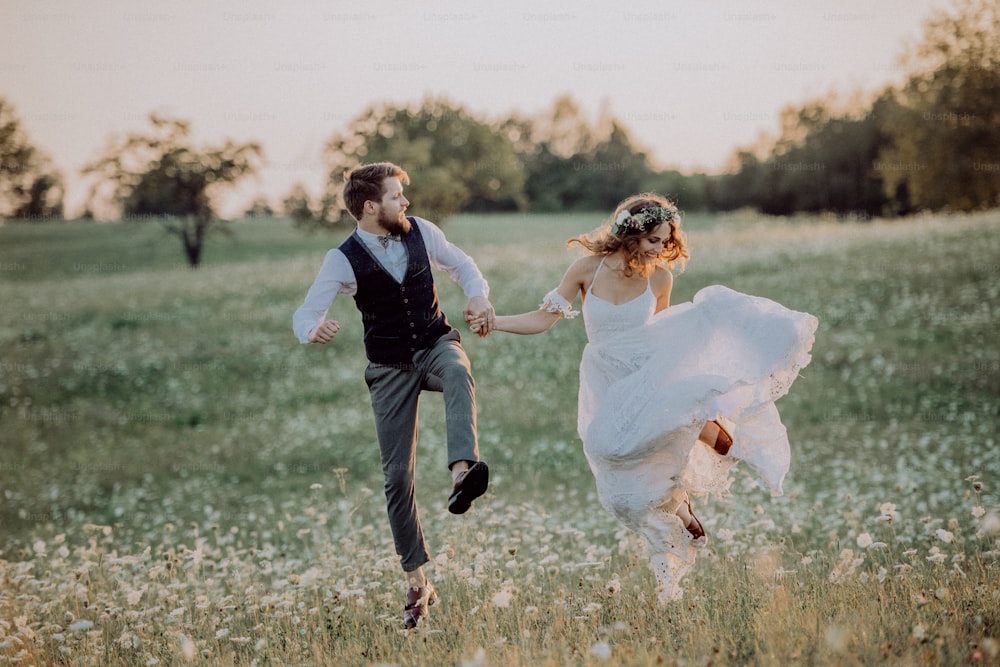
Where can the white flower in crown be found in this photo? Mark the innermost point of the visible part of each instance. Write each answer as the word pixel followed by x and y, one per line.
pixel 652 215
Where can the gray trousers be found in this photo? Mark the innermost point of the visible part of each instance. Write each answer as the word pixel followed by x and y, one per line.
pixel 395 395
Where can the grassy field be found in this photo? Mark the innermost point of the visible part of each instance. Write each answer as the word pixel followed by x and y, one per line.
pixel 183 483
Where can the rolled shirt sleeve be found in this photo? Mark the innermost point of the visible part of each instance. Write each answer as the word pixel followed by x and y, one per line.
pixel 452 260
pixel 335 277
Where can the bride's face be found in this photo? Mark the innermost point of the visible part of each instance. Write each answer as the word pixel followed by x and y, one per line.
pixel 651 244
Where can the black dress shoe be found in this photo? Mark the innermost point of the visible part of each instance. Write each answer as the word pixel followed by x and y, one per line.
pixel 470 485
pixel 417 602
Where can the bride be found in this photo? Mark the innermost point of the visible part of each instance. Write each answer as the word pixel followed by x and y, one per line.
pixel 670 397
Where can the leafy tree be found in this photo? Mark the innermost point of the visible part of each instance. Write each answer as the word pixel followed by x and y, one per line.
pixel 30 187
pixel 945 127
pixel 160 175
pixel 574 165
pixel 453 157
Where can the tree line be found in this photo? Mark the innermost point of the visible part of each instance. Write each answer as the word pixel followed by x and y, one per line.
pixel 929 143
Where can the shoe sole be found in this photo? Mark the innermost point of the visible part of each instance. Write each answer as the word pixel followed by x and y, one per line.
pixel 474 484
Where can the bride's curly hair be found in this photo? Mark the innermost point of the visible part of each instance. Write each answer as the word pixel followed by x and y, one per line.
pixel 612 236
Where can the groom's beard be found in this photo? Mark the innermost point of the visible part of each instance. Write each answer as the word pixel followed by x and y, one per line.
pixel 398 225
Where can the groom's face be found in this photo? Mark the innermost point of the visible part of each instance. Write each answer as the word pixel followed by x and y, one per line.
pixel 392 207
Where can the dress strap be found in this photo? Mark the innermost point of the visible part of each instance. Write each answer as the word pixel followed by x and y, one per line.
pixel 596 271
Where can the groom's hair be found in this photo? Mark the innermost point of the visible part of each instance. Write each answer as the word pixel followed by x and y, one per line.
pixel 364 183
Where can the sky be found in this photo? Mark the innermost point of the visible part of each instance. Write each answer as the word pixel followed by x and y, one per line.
pixel 693 81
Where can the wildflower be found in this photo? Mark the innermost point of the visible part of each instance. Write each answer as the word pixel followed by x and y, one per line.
pixel 502 599
pixel 188 650
pixel 937 556
pixel 614 586
pixel 531 611
pixel 601 650
pixel 479 660
pixel 991 524
pixel 864 540
pixel 315 486
pixel 888 512
pixel 978 511
pixel 80 626
pixel 919 633
pixel 945 536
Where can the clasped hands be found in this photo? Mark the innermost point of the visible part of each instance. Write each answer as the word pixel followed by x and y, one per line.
pixel 480 316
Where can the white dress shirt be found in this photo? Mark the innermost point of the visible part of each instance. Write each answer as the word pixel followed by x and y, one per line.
pixel 336 276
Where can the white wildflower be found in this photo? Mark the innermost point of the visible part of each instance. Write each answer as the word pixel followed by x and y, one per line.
pixel 864 540
pixel 478 660
pixel 502 599
pixel 937 556
pixel 222 634
pixel 888 512
pixel 188 650
pixel 614 586
pixel 80 626
pixel 978 511
pixel 945 536
pixel 919 633
pixel 601 650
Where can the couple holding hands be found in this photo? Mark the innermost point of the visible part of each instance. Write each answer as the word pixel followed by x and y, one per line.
pixel 670 397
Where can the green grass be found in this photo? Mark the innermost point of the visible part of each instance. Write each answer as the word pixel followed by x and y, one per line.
pixel 179 472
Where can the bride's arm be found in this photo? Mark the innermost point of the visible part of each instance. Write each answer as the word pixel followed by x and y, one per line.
pixel 557 304
pixel 535 322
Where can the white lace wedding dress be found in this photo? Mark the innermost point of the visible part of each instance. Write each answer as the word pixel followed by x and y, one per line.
pixel 648 384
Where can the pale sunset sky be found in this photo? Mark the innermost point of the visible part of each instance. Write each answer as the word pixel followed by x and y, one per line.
pixel 692 80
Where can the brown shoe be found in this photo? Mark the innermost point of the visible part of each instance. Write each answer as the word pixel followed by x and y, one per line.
pixel 723 441
pixel 694 526
pixel 417 602
pixel 470 485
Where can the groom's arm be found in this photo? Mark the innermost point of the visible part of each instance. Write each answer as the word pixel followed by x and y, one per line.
pixel 463 270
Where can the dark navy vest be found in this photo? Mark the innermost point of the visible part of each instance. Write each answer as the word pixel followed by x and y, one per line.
pixel 400 319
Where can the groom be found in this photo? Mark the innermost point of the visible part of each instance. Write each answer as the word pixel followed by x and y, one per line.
pixel 386 266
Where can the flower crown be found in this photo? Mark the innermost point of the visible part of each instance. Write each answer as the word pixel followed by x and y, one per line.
pixel 639 222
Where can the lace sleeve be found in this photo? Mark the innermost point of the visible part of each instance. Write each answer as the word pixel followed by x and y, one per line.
pixel 554 302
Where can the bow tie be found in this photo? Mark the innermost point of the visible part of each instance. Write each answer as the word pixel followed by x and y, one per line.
pixel 385 238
